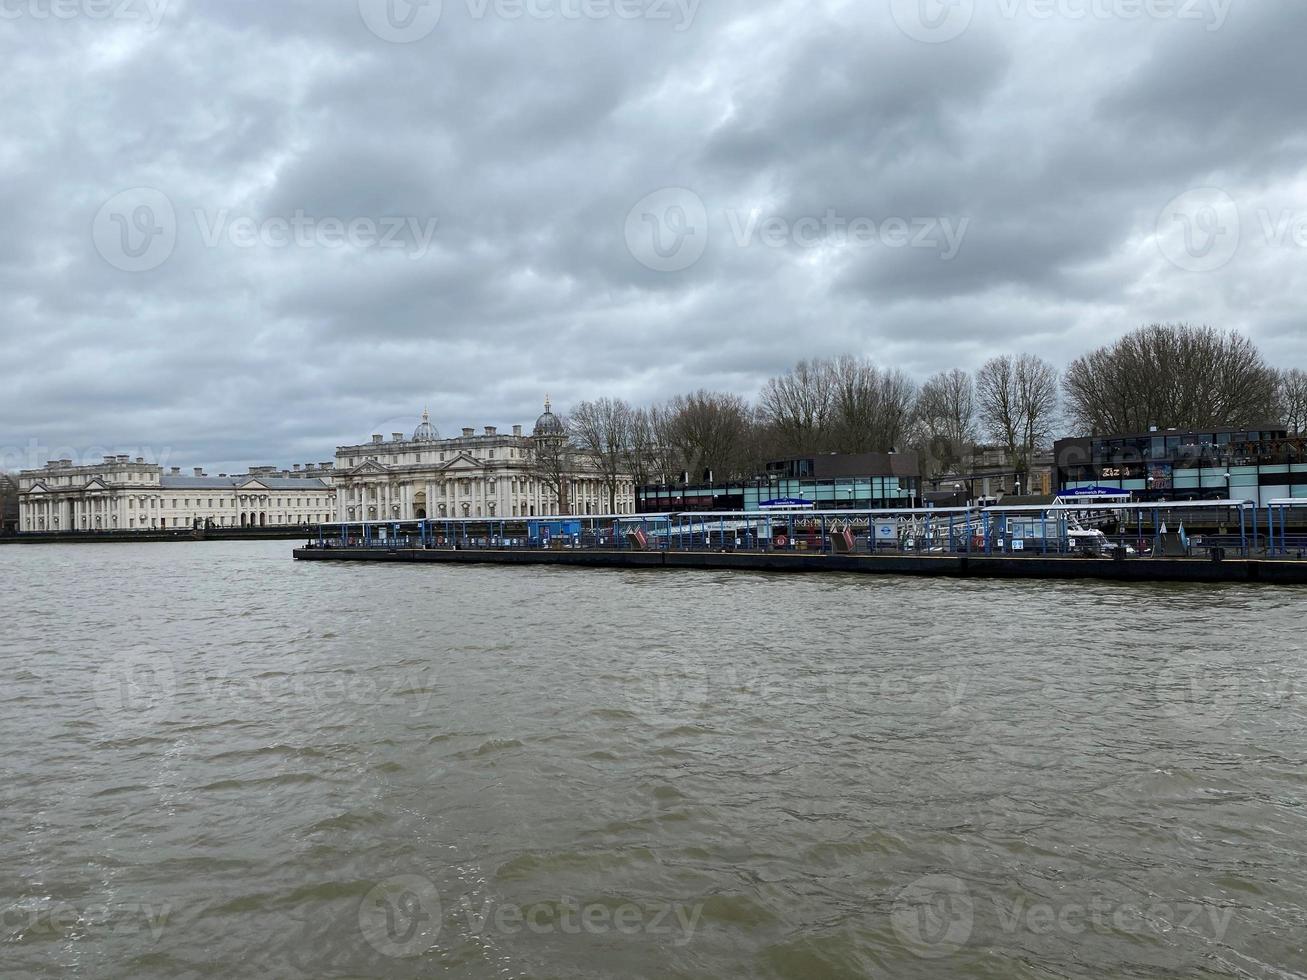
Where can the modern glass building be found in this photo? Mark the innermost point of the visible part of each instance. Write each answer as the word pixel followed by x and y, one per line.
pixel 867 481
pixel 1261 465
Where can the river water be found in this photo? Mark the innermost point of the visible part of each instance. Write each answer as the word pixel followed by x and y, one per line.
pixel 220 763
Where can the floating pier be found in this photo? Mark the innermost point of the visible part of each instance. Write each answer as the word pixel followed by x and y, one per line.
pixel 1269 571
pixel 1063 540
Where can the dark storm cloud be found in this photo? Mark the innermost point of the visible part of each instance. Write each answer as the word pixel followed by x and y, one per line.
pixel 356 228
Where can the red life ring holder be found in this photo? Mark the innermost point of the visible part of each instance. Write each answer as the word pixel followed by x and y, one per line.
pixel 782 541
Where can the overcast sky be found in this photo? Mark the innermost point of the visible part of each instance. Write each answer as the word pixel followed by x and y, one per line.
pixel 247 231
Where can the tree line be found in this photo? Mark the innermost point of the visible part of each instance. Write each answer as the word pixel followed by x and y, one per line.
pixel 1173 376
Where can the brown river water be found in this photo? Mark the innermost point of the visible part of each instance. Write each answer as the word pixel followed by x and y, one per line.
pixel 220 763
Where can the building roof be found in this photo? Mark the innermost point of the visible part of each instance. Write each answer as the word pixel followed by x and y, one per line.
pixel 549 424
pixel 426 432
pixel 232 482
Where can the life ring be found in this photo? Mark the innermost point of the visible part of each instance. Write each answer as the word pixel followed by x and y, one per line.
pixel 782 541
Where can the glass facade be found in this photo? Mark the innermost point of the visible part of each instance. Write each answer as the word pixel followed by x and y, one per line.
pixel 864 493
pixel 1259 465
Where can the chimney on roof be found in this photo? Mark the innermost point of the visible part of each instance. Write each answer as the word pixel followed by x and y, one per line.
pixel 517 430
pixel 327 466
pixel 491 430
pixel 397 437
pixel 469 433
pixel 296 467
pixel 140 459
pixel 176 471
pixel 376 439
pixel 110 460
pixel 199 471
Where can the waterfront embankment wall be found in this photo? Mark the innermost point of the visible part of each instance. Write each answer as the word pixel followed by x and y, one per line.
pixel 1275 572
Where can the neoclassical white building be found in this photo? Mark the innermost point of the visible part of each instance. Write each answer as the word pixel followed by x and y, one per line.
pixel 122 494
pixel 476 475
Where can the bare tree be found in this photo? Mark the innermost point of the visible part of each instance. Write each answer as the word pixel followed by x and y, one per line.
pixel 709 431
pixel 1173 376
pixel 1017 399
pixel 947 409
pixel 1292 396
pixel 8 501
pixel 797 406
pixel 846 405
pixel 871 409
pixel 643 454
pixel 603 428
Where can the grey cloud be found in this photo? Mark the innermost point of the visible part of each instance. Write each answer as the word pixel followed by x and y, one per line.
pixel 529 141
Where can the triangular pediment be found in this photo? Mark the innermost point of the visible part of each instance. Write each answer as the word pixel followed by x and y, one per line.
pixel 462 462
pixel 96 484
pixel 369 466
pixel 252 485
pixel 39 488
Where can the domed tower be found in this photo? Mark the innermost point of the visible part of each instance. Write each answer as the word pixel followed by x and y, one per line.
pixel 426 432
pixel 549 426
